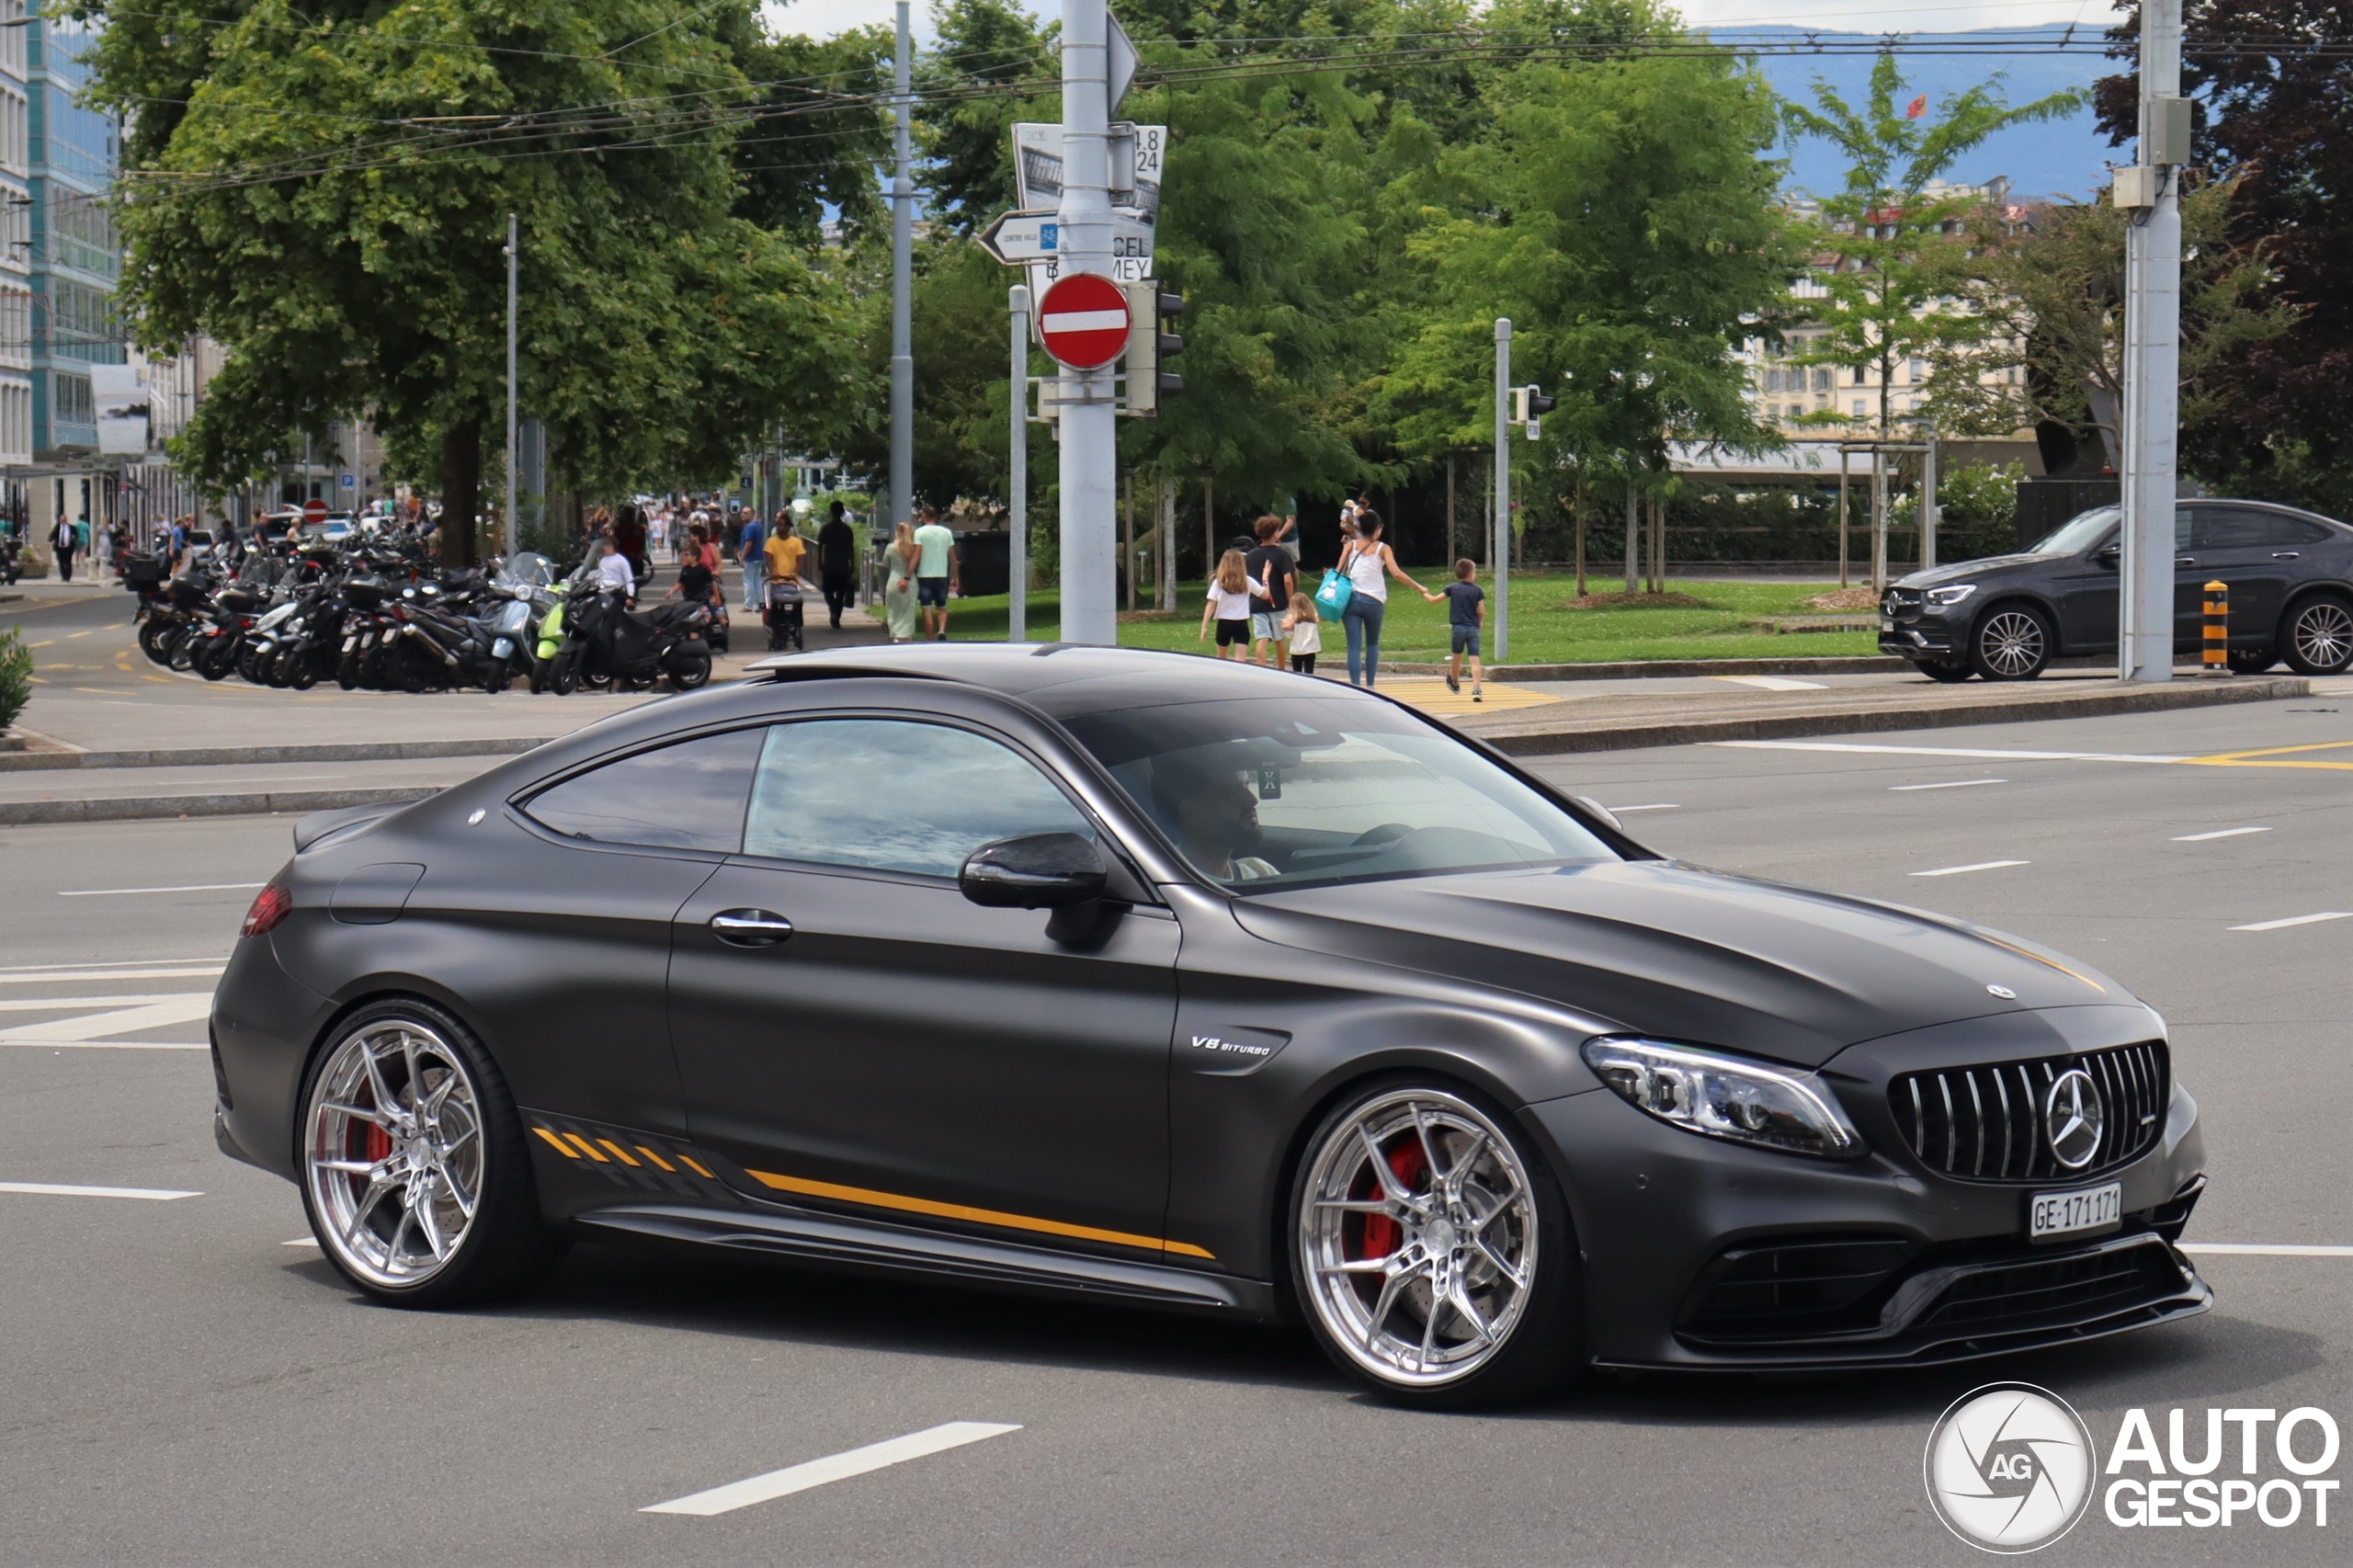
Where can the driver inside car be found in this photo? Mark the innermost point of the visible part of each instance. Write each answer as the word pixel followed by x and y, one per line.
pixel 1213 815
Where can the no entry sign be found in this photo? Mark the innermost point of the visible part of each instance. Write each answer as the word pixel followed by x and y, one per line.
pixel 1083 321
pixel 313 510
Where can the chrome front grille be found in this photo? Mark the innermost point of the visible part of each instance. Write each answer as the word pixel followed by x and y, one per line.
pixel 1985 1123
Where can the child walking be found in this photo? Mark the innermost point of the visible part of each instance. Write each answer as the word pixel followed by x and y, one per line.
pixel 1304 631
pixel 1466 612
pixel 1229 605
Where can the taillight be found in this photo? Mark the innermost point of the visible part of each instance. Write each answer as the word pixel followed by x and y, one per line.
pixel 271 906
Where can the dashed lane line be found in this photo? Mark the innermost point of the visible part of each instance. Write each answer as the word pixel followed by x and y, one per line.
pixel 50 977
pixel 1945 784
pixel 188 887
pixel 1654 806
pixel 836 1467
pixel 91 970
pixel 56 1189
pixel 1978 866
pixel 2219 832
pixel 1859 747
pixel 2297 920
pixel 1772 682
pixel 13 1039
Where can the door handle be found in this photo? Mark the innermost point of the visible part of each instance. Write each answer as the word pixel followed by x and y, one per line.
pixel 2184 561
pixel 750 927
pixel 2287 555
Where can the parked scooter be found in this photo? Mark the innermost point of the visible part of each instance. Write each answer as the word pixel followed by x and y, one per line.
pixel 608 644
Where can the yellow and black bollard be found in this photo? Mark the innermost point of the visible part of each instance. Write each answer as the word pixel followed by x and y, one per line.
pixel 2216 654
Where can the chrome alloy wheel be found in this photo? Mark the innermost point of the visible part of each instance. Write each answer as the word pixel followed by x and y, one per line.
pixel 2323 635
pixel 394 1158
pixel 1417 1237
pixel 2011 644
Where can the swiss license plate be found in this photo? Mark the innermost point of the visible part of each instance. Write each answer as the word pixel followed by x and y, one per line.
pixel 2067 1214
pixel 1887 623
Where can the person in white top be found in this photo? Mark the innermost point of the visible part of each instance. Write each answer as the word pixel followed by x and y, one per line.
pixel 613 570
pixel 1368 564
pixel 1229 605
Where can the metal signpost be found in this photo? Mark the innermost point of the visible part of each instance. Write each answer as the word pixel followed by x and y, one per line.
pixel 903 358
pixel 507 516
pixel 1501 554
pixel 2149 190
pixel 1017 610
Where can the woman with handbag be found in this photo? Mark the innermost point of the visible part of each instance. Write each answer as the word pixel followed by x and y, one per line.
pixel 1366 566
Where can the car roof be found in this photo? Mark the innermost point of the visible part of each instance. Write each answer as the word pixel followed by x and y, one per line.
pixel 1064 679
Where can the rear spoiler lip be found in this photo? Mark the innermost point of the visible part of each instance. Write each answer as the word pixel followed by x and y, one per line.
pixel 319 825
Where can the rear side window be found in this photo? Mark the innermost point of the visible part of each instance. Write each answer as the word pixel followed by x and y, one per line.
pixel 686 796
pixel 895 795
pixel 2222 528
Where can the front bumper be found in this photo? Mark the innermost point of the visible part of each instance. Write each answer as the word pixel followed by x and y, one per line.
pixel 1700 1253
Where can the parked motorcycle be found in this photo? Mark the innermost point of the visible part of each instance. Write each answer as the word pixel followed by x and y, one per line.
pixel 609 645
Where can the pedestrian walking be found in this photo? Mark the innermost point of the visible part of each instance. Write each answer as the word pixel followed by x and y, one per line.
pixel 1273 579
pixel 783 553
pixel 1368 564
pixel 1229 605
pixel 1466 612
pixel 937 573
pixel 1303 634
pixel 62 541
pixel 754 559
pixel 836 555
pixel 899 588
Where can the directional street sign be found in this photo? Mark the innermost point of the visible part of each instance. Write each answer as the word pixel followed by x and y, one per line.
pixel 1018 238
pixel 1083 321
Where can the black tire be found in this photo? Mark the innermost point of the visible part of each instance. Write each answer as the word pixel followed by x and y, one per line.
pixel 301 670
pixel 1531 1340
pixel 249 665
pixel 2013 641
pixel 563 680
pixel 690 672
pixel 1944 675
pixel 2317 635
pixel 505 1246
pixel 2252 661
pixel 220 658
pixel 155 640
pixel 346 671
pixel 494 677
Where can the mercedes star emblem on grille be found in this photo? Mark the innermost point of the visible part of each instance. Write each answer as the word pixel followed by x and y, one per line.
pixel 2072 1117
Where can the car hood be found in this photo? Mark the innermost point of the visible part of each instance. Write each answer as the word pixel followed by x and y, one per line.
pixel 1969 570
pixel 1675 951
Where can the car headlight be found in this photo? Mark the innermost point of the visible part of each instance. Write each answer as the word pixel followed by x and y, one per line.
pixel 1952 596
pixel 1727 1096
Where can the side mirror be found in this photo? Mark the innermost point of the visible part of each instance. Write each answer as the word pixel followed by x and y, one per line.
pixel 1600 811
pixel 1042 871
pixel 2108 555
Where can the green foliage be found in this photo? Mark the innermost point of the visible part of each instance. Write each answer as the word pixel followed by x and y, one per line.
pixel 1892 256
pixel 16 675
pixel 1977 510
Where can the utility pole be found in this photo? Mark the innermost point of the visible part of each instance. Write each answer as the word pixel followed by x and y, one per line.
pixel 507 516
pixel 1503 476
pixel 2150 192
pixel 1928 518
pixel 902 204
pixel 1017 609
pixel 1088 417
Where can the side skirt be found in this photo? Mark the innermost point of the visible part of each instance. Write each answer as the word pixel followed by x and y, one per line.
pixel 834 1240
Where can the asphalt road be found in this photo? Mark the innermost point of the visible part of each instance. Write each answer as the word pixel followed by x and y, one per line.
pixel 178 1384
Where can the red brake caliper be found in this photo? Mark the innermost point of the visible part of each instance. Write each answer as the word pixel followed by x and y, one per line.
pixel 1381 1235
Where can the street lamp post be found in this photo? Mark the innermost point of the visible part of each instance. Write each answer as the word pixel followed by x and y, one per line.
pixel 2152 352
pixel 507 516
pixel 1086 415
pixel 902 202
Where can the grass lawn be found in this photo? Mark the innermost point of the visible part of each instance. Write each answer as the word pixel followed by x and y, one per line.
pixel 1543 630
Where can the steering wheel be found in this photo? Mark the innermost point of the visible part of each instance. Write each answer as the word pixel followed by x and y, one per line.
pixel 1387 832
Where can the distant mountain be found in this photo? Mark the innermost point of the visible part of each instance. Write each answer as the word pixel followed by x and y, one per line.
pixel 2060 157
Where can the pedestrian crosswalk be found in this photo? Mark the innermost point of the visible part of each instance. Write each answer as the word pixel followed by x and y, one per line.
pixel 86 1011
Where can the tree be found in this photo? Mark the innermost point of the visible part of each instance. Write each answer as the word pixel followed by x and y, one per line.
pixel 1891 257
pixel 326 195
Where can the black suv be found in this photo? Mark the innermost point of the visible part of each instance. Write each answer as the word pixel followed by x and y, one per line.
pixel 2005 617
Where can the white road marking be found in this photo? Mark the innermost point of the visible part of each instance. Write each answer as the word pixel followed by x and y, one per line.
pixel 837 1467
pixel 12 1039
pixel 1978 866
pixel 2254 1249
pixel 119 1021
pixel 192 887
pixel 2222 833
pixel 1772 682
pixel 300 1241
pixel 54 979
pixel 1947 784
pixel 110 964
pixel 2297 920
pixel 1659 806
pixel 65 1004
pixel 53 1189
pixel 1951 751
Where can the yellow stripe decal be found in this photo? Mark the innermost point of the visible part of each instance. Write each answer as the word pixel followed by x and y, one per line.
pixel 872 1199
pixel 587 1147
pixel 2047 964
pixel 618 1153
pixel 657 1159
pixel 688 1161
pixel 560 1146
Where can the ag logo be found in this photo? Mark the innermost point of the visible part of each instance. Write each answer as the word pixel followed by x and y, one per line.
pixel 2009 1468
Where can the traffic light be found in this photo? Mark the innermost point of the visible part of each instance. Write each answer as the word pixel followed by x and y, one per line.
pixel 1151 344
pixel 1529 406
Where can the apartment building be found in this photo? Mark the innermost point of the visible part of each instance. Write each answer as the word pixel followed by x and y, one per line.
pixel 16 266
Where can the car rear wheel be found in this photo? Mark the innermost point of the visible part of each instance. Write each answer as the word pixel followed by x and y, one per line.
pixel 414 1171
pixel 2012 644
pixel 1433 1254
pixel 2318 638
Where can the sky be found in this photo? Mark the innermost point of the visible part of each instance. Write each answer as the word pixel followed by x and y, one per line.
pixel 2063 158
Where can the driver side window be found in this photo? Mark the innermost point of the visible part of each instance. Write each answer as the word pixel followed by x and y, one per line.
pixel 896 795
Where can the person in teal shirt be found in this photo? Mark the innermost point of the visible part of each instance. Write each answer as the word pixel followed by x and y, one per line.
pixel 935 574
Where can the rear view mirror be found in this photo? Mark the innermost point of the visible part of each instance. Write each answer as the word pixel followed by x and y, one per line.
pixel 2109 554
pixel 1042 871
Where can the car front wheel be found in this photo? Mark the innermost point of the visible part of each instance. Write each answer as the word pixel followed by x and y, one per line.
pixel 2012 644
pixel 414 1171
pixel 1433 1253
pixel 2318 638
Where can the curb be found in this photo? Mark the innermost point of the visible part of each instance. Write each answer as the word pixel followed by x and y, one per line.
pixel 1860 721
pixel 1625 669
pixel 21 814
pixel 239 757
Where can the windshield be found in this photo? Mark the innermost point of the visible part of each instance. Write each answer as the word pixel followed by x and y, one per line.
pixel 1264 793
pixel 2079 533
